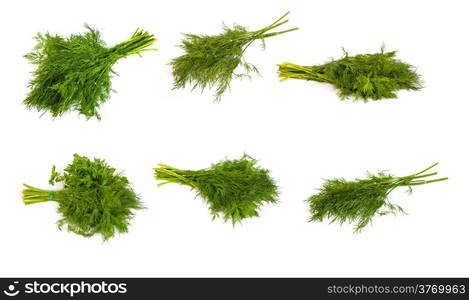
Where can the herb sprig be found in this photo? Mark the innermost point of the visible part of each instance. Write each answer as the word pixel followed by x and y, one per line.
pixel 95 198
pixel 74 73
pixel 360 200
pixel 211 60
pixel 365 76
pixel 233 189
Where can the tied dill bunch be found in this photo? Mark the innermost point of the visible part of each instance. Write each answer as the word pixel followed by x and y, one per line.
pixel 360 200
pixel 364 76
pixel 95 198
pixel 233 189
pixel 211 60
pixel 74 73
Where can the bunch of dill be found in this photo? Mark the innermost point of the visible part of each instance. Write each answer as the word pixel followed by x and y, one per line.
pixel 365 76
pixel 233 189
pixel 74 73
pixel 360 200
pixel 95 198
pixel 211 60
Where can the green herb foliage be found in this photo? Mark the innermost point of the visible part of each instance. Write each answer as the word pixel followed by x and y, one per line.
pixel 233 189
pixel 211 60
pixel 365 76
pixel 95 198
pixel 360 200
pixel 74 73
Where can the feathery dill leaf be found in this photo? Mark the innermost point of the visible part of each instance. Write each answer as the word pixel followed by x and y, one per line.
pixel 211 60
pixel 360 200
pixel 74 73
pixel 95 198
pixel 364 76
pixel 233 189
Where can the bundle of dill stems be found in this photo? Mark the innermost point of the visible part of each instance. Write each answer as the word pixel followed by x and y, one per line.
pixel 358 201
pixel 211 60
pixel 233 189
pixel 74 73
pixel 364 76
pixel 94 199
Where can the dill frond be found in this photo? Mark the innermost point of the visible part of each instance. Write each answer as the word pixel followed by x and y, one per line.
pixel 365 76
pixel 233 189
pixel 95 198
pixel 211 60
pixel 360 200
pixel 74 73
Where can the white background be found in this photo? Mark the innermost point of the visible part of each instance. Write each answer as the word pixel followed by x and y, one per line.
pixel 299 130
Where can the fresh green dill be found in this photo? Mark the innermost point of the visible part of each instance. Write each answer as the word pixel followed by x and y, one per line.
pixel 365 76
pixel 233 189
pixel 74 73
pixel 211 60
pixel 95 198
pixel 360 200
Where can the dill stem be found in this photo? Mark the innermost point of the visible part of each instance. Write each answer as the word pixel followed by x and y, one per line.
pixel 425 175
pixel 419 182
pixel 415 179
pixel 277 33
pixel 134 45
pixel 261 33
pixel 279 19
pixel 425 170
pixel 167 167
pixel 169 174
pixel 290 70
pixel 33 195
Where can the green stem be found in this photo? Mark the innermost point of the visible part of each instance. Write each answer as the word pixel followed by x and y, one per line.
pixel 279 19
pixel 412 180
pixel 260 34
pixel 289 70
pixel 277 33
pixel 168 167
pixel 425 175
pixel 412 177
pixel 33 195
pixel 419 182
pixel 425 170
pixel 415 179
pixel 135 45
pixel 169 174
